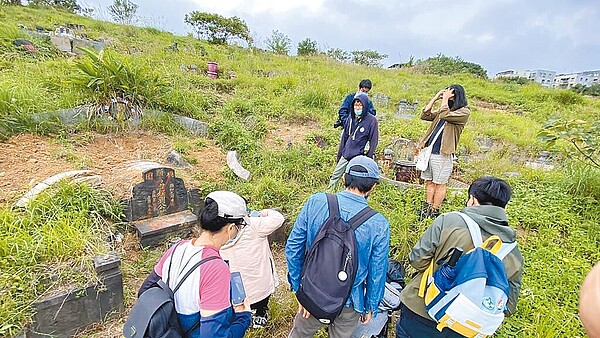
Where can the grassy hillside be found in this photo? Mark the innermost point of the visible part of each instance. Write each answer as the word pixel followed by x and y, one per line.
pixel 556 213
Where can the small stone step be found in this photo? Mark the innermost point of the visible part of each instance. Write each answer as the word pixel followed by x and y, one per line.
pixel 155 231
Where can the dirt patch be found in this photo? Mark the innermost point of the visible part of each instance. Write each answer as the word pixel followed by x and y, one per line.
pixel 26 160
pixel 490 105
pixel 29 159
pixel 282 136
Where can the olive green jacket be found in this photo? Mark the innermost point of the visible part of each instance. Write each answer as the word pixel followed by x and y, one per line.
pixel 449 231
pixel 455 123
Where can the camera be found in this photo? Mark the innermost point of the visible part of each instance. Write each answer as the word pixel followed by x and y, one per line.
pixel 338 123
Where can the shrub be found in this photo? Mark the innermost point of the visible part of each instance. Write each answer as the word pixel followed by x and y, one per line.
pixel 111 77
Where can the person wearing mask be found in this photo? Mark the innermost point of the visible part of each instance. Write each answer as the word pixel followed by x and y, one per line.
pixel 360 128
pixel 448 122
pixel 363 87
pixel 250 254
pixel 203 302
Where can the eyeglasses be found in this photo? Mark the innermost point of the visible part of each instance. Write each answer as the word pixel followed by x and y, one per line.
pixel 241 225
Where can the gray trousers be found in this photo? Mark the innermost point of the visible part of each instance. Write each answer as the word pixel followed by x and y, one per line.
pixel 337 173
pixel 342 326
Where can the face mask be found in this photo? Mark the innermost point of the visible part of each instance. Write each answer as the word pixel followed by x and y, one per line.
pixel 234 239
pixel 358 112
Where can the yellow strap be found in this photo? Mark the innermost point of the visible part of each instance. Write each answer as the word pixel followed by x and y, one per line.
pixel 492 248
pixel 426 274
pixel 459 328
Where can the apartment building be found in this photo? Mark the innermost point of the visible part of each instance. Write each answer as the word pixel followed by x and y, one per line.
pixel 541 76
pixel 568 80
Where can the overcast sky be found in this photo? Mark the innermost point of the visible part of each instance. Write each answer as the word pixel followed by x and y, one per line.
pixel 563 36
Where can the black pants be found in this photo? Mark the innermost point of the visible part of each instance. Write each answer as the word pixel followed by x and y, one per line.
pixel 261 307
pixel 411 325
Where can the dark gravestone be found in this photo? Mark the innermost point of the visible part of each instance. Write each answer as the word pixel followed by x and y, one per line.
pixel 161 193
pixel 64 314
pixel 159 207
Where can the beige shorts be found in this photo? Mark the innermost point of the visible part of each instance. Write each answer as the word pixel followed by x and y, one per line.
pixel 439 169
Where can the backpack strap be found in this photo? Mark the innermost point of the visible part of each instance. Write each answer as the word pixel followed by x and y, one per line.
pixel 357 220
pixel 332 203
pixel 505 248
pixel 187 274
pixel 361 217
pixel 474 229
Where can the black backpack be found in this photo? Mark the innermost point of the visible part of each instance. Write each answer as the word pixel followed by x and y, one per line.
pixel 330 266
pixel 154 315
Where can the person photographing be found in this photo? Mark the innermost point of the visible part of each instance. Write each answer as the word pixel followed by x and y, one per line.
pixel 447 124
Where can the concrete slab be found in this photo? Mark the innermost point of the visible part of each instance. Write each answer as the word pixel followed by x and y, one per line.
pixel 155 231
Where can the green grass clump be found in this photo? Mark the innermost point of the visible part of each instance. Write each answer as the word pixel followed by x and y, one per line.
pixel 50 245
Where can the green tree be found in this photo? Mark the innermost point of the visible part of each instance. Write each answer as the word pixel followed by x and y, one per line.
pixel 593 90
pixel 122 11
pixel 218 29
pixel 307 47
pixel 444 65
pixel 369 58
pixel 338 54
pixel 520 80
pixel 279 43
pixel 69 5
pixel 582 135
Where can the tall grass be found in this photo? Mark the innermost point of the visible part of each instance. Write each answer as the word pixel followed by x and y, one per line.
pixel 556 213
pixel 50 245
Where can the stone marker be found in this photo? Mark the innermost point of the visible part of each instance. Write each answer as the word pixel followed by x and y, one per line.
pixel 381 99
pixel 63 43
pixel 62 315
pixel 175 159
pixel 235 166
pixel 81 175
pixel 197 128
pixel 160 193
pixel 159 206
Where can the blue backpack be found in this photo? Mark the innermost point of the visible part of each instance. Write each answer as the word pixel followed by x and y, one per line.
pixel 330 265
pixel 471 297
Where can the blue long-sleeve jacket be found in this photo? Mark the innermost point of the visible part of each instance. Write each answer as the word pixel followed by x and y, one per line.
pixel 356 134
pixel 372 239
pixel 345 108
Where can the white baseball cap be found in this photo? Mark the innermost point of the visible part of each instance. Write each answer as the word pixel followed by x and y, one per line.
pixel 229 204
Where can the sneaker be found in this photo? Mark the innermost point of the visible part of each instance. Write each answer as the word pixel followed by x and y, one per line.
pixel 424 211
pixel 259 322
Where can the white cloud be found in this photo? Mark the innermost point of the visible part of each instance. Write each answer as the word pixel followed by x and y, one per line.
pixel 254 7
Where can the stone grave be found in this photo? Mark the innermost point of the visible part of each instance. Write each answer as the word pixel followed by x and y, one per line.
pixel 406 111
pixel 64 39
pixel 485 144
pixel 543 161
pixel 399 167
pixel 62 315
pixel 234 164
pixel 381 100
pixel 399 161
pixel 159 206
